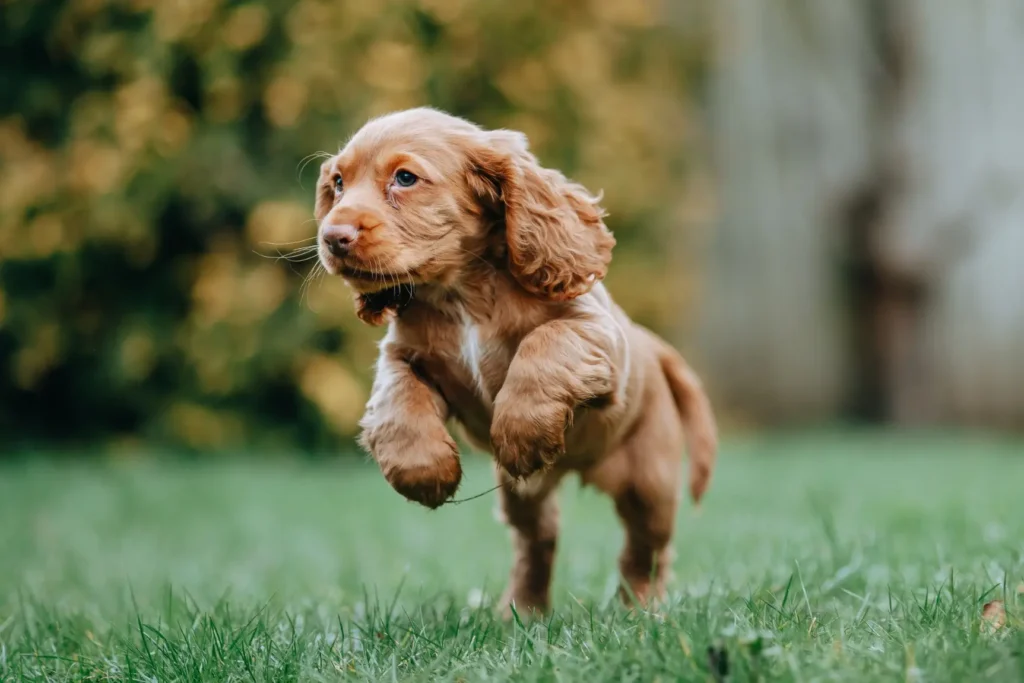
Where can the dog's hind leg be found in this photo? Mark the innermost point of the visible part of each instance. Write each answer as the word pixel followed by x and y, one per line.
pixel 643 477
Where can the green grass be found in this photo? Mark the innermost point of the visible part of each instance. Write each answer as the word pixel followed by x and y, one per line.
pixel 846 557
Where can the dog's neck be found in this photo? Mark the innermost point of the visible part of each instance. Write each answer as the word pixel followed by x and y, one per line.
pixel 473 295
pixel 472 291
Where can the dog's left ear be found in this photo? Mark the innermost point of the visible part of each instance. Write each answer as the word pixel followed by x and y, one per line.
pixel 558 245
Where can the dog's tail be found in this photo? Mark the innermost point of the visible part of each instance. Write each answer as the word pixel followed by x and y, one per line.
pixel 698 419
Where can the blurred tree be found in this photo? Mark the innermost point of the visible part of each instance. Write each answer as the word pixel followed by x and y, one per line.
pixel 151 151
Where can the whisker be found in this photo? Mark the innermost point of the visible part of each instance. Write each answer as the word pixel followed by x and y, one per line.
pixel 306 161
pixel 309 283
pixel 301 250
pixel 285 244
pixel 318 277
pixel 398 283
pixel 297 255
pixel 301 258
pixel 392 272
pixel 389 268
pixel 304 287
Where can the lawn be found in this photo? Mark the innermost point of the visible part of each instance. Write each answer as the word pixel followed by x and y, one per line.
pixel 827 556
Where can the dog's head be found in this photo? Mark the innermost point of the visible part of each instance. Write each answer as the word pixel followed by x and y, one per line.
pixel 417 196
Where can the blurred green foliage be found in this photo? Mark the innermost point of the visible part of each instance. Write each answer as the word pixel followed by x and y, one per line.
pixel 150 163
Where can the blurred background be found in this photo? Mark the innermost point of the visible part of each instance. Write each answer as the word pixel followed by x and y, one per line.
pixel 820 203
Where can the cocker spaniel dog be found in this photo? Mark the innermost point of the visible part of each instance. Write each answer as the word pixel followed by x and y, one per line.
pixel 487 269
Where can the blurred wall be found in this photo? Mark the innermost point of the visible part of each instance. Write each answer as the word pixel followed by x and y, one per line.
pixel 870 256
pixel 792 127
pixel 956 223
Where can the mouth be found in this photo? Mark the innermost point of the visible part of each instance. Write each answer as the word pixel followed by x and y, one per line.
pixel 371 281
pixel 362 278
pixel 351 273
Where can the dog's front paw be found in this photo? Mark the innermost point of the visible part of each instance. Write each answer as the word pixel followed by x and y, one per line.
pixel 430 486
pixel 529 437
pixel 425 470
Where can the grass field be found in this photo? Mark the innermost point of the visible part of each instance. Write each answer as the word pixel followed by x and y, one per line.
pixel 839 557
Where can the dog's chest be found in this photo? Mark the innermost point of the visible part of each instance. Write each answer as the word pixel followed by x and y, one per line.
pixel 484 356
pixel 467 358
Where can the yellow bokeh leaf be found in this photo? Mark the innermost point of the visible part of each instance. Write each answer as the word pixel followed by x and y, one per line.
pixel 275 227
pixel 173 132
pixel 393 67
pixel 526 83
pixel 259 292
pixel 202 427
pixel 46 236
pixel 634 13
pixel 224 99
pixel 246 26
pixel 284 101
pixel 334 390
pixel 213 287
pixel 445 11
pixel 181 19
pixel 34 359
pixel 94 168
pixel 137 354
pixel 331 301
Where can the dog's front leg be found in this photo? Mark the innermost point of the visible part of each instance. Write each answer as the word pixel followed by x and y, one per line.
pixel 558 366
pixel 404 429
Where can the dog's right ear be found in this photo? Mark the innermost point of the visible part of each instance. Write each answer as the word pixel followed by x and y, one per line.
pixel 558 245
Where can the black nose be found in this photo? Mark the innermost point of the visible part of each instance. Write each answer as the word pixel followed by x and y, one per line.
pixel 338 245
pixel 339 238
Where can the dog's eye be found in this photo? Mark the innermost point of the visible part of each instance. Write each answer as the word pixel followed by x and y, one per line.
pixel 339 184
pixel 404 178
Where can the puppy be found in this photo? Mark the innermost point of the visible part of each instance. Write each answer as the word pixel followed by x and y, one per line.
pixel 487 269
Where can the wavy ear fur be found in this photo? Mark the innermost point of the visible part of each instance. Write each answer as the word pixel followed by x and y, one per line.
pixel 558 245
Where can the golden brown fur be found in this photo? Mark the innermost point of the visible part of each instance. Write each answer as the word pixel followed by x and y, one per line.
pixel 487 269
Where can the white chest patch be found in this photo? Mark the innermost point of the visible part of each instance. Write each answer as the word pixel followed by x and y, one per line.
pixel 474 353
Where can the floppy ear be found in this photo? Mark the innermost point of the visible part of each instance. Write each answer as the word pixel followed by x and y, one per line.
pixel 558 246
